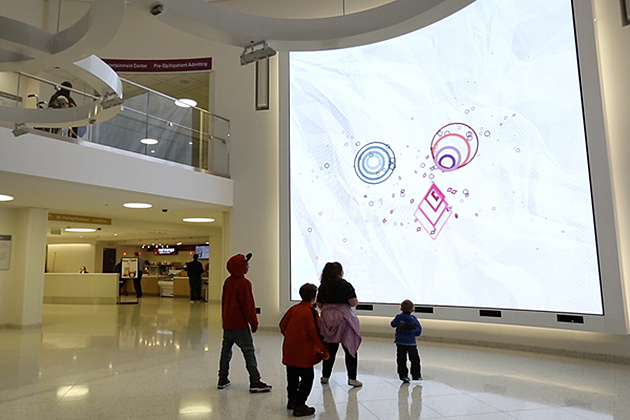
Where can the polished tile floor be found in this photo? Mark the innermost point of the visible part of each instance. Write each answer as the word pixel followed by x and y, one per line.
pixel 158 360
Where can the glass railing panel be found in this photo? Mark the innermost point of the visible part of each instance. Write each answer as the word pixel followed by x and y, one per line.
pixel 190 136
pixel 124 131
pixel 9 94
pixel 218 147
pixel 175 143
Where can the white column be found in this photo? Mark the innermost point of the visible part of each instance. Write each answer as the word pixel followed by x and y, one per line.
pixel 29 252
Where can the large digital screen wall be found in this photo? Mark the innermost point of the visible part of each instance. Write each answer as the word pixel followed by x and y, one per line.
pixel 449 165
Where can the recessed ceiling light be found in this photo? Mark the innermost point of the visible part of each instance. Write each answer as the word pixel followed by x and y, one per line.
pixel 138 205
pixel 6 197
pixel 149 141
pixel 80 230
pixel 198 219
pixel 186 103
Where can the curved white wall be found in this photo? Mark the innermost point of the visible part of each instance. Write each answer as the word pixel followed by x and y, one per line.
pixel 254 150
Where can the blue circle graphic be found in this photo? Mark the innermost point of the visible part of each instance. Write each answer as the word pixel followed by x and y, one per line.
pixel 374 163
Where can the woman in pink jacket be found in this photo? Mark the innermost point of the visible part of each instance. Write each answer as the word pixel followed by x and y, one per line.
pixel 340 325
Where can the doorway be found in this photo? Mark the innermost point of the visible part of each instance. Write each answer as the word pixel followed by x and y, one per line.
pixel 109 260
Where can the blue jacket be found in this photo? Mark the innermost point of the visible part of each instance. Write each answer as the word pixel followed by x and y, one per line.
pixel 407 329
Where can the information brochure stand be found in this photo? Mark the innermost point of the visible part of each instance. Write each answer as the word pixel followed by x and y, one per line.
pixel 129 271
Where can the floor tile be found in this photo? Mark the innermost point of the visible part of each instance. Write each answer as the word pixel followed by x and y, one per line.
pixel 159 359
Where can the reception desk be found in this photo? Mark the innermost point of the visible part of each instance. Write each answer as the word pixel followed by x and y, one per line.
pixel 98 288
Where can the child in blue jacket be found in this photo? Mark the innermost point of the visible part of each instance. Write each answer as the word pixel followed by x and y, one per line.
pixel 407 329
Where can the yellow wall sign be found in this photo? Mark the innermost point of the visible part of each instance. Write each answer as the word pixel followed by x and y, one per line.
pixel 79 219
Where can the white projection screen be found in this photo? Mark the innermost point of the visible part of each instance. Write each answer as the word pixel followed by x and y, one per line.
pixel 455 166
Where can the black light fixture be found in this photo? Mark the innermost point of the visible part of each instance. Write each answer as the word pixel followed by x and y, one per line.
pixel 256 52
pixel 20 129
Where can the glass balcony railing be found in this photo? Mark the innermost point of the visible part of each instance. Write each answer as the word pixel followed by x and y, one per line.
pixel 149 123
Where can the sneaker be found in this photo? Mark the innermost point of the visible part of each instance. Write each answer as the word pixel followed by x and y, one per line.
pixel 303 410
pixel 419 378
pixel 259 387
pixel 291 405
pixel 355 383
pixel 223 383
pixel 405 380
pixel 324 380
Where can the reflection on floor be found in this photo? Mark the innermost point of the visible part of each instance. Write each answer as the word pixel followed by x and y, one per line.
pixel 158 360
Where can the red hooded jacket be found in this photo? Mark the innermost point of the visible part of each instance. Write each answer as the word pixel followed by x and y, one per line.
pixel 302 347
pixel 238 308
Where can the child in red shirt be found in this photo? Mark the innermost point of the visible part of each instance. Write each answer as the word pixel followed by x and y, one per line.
pixel 302 349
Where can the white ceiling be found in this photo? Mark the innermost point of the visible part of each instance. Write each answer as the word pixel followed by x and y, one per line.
pixel 135 226
pixel 299 9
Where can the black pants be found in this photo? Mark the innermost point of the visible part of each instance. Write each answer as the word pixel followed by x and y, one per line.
pixel 299 384
pixel 401 360
pixel 195 288
pixel 351 361
pixel 137 285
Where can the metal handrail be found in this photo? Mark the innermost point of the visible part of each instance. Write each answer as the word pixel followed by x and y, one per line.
pixel 173 124
pixel 202 158
pixel 58 86
pixel 173 99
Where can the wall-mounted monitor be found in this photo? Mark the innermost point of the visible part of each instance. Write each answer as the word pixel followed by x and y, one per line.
pixel 203 251
pixel 462 166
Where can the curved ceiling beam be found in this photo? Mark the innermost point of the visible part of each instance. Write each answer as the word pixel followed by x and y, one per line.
pixel 219 24
pixel 95 72
pixel 28 48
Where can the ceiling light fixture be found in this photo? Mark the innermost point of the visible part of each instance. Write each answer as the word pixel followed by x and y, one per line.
pixel 137 205
pixel 147 140
pixel 185 103
pixel 4 197
pixel 81 230
pixel 198 219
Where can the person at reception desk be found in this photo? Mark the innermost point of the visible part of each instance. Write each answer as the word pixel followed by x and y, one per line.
pixel 83 270
pixel 195 270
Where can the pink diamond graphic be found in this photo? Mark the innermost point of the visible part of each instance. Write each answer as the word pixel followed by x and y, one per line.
pixel 433 211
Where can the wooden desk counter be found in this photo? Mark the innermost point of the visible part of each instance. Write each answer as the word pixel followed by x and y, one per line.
pixel 97 288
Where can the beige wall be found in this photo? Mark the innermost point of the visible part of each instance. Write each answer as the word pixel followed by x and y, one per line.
pixel 68 258
pixel 254 221
pixel 254 167
pixel 614 58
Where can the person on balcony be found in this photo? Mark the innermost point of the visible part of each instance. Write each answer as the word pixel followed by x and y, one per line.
pixel 62 92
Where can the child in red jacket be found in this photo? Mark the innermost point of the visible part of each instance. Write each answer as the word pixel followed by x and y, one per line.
pixel 302 349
